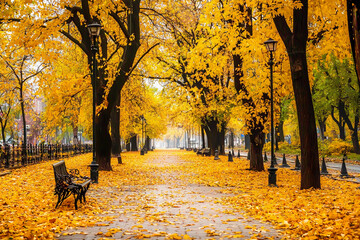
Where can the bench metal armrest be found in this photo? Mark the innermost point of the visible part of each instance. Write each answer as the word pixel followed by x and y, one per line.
pixel 75 173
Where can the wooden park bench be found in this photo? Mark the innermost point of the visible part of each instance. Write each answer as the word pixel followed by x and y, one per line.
pixel 204 152
pixel 67 184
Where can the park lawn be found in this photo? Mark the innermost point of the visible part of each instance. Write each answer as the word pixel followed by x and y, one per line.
pixel 27 201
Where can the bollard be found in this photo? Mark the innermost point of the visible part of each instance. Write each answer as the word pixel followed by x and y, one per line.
pixel 230 159
pixel 324 170
pixel 119 159
pixel 297 164
pixel 238 153
pixel 284 163
pixel 343 172
pixel 216 155
pixel 265 157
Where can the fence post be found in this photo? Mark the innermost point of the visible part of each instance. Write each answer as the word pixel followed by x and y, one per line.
pixel 31 153
pixel 17 152
pixel 7 155
pixel 23 153
pixel 50 151
pixel 13 155
pixel 37 152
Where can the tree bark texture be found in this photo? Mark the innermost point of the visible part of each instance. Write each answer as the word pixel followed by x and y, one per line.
pixel 133 143
pixel 322 127
pixel 75 134
pixel 215 137
pixel 277 138
pixel 115 129
pixel 203 136
pixel 3 133
pixel 22 105
pixel 128 145
pixel 353 13
pixel 295 42
pixel 103 142
pixel 281 131
pixel 148 140
pixel 257 139
pixel 353 128
pixel 247 141
pixel 340 122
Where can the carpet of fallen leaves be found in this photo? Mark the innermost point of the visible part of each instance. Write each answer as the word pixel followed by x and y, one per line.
pixel 27 198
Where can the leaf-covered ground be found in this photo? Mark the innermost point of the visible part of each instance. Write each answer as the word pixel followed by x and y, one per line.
pixel 177 195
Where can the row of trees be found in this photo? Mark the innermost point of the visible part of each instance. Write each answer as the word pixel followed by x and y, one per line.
pixel 208 54
pixel 214 60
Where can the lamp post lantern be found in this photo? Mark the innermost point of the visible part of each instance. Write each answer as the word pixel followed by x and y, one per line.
pixel 94 31
pixel 271 48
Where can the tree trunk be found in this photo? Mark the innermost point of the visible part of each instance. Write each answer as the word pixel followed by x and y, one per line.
pixel 212 139
pixel 353 13
pixel 322 127
pixel 128 146
pixel 215 138
pixel 353 129
pixel 133 143
pixel 203 136
pixel 295 40
pixel 341 120
pixel 340 123
pixel 221 141
pixel 257 140
pixel 24 152
pixel 281 131
pixel 115 129
pixel 3 132
pixel 276 138
pixel 75 135
pixel 310 170
pixel 103 142
pixel 247 141
pixel 231 140
pixel 355 140
pixel 147 142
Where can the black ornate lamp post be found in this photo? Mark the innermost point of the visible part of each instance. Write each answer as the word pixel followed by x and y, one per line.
pixel 271 47
pixel 94 31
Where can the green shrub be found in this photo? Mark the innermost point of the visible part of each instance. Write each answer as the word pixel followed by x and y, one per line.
pixel 339 147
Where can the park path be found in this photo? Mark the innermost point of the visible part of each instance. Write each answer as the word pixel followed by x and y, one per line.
pixel 175 209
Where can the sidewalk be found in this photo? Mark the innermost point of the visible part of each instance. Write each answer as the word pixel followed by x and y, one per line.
pixel 352 168
pixel 334 168
pixel 174 210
